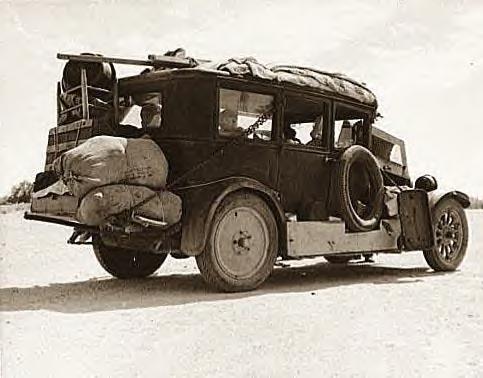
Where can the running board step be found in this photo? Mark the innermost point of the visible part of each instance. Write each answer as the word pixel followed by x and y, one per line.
pixel 322 238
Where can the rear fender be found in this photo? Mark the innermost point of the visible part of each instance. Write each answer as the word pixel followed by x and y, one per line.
pixel 200 204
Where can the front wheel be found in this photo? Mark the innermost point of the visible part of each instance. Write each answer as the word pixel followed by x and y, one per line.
pixel 450 229
pixel 125 263
pixel 242 244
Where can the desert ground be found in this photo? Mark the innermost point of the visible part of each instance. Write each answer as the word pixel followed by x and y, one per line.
pixel 63 316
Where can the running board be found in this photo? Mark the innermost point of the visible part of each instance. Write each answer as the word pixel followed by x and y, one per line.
pixel 328 238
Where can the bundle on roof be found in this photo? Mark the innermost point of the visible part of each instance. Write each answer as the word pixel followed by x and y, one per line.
pixel 325 82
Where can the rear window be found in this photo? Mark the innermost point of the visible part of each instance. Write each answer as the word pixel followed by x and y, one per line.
pixel 143 110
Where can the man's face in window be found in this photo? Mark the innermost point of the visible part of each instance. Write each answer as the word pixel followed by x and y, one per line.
pixel 151 116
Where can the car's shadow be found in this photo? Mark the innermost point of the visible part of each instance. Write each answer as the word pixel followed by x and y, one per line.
pixel 113 294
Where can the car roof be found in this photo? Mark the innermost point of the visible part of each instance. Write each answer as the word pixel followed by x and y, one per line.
pixel 250 69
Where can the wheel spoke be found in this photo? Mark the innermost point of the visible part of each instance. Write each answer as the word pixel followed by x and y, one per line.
pixel 447 251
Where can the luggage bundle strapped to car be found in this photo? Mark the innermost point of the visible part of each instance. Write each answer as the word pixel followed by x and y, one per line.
pixel 107 176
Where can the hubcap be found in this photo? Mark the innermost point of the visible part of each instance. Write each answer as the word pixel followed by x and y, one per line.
pixel 449 234
pixel 241 242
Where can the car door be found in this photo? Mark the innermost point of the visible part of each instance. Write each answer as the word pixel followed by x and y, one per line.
pixel 304 171
pixel 253 155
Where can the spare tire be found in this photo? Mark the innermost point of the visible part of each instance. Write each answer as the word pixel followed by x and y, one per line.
pixel 359 189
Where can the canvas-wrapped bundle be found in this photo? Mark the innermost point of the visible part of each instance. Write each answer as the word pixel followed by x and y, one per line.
pixel 55 200
pixel 102 203
pixel 104 160
pixel 108 176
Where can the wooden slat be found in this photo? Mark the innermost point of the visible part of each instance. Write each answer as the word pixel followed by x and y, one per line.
pixel 59 105
pixel 153 60
pixel 71 126
pixel 70 109
pixel 96 89
pixel 386 136
pixel 103 59
pixel 85 94
pixel 73 89
pixel 89 87
pixel 65 146
pixel 71 136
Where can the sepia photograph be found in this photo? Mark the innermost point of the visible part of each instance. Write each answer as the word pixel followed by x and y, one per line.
pixel 241 188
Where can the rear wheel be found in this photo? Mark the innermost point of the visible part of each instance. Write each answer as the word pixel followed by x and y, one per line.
pixel 242 244
pixel 125 263
pixel 451 236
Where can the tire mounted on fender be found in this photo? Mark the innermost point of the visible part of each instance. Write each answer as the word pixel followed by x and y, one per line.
pixel 359 189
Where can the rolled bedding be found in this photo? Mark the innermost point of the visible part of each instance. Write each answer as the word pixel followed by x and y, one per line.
pixel 103 202
pixel 104 160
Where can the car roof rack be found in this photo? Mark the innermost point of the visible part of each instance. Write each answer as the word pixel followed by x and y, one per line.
pixel 156 61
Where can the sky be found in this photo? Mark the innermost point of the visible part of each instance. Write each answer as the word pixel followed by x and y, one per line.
pixel 423 60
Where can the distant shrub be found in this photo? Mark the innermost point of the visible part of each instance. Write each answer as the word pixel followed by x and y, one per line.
pixel 21 192
pixel 476 203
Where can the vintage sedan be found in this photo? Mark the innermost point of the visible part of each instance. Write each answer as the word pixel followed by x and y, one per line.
pixel 277 162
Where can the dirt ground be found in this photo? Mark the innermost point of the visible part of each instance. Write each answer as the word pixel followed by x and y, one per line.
pixel 63 316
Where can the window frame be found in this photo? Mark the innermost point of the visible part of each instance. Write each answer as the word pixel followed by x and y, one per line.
pixel 314 98
pixel 159 87
pixel 251 87
pixel 159 94
pixel 368 118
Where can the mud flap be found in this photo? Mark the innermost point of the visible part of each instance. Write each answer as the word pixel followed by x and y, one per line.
pixel 415 217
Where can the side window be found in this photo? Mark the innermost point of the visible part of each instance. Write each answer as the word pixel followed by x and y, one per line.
pixel 305 122
pixel 239 110
pixel 350 127
pixel 143 110
pixel 388 148
pixel 396 155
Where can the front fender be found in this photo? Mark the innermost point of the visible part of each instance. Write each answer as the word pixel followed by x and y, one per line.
pixel 437 195
pixel 201 202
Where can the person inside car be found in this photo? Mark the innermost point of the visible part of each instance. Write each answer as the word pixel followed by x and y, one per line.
pixel 228 121
pixel 345 136
pixel 358 132
pixel 290 135
pixel 150 119
pixel 316 133
pixel 150 116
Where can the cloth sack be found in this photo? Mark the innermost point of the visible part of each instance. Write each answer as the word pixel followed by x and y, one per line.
pixel 101 203
pixel 104 160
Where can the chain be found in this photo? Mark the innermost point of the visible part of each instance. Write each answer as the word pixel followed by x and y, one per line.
pixel 250 130
pixel 264 117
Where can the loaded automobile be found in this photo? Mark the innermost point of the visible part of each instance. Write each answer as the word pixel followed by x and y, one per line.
pixel 261 163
